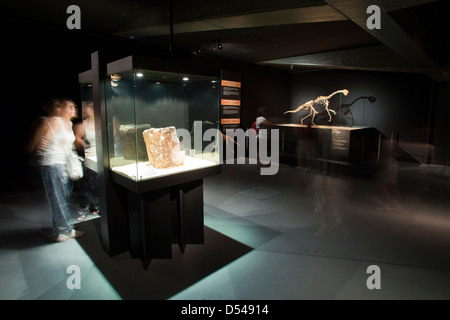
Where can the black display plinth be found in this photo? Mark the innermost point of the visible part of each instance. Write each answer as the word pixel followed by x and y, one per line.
pixel 350 147
pixel 164 211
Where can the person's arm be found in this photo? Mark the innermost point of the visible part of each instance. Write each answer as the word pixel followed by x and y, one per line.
pixel 78 130
pixel 266 123
pixel 39 130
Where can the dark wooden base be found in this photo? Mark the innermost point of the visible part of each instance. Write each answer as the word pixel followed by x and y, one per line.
pixel 160 218
pixel 164 211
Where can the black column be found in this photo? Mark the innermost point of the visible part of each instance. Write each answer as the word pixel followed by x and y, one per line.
pixel 114 222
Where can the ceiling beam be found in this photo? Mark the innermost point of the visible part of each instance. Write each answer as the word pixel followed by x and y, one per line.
pixel 375 58
pixel 390 34
pixel 390 5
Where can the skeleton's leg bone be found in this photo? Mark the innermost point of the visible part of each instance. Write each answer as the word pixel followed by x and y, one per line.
pixel 312 120
pixel 304 118
pixel 310 113
pixel 328 110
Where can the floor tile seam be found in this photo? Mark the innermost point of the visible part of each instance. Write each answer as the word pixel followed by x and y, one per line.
pixel 265 241
pixel 215 226
pixel 246 218
pixel 375 261
pixel 234 215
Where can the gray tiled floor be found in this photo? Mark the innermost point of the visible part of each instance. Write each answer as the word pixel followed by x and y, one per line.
pixel 31 267
pixel 316 235
pixel 313 237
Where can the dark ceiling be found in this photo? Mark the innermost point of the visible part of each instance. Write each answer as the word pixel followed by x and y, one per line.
pixel 414 35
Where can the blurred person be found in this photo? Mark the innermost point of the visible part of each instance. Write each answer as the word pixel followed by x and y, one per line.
pixel 386 179
pixel 306 147
pixel 50 143
pixel 262 123
pixel 118 147
pixel 324 146
pixel 85 132
pixel 330 196
pixel 85 191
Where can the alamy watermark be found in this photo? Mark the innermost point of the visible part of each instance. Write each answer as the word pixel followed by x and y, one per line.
pixel 74 20
pixel 257 147
pixel 374 280
pixel 234 145
pixel 374 21
pixel 74 280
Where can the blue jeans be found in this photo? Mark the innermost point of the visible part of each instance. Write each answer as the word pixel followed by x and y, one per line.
pixel 57 188
pixel 85 192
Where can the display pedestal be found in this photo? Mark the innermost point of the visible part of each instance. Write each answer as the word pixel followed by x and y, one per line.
pixel 162 212
pixel 348 147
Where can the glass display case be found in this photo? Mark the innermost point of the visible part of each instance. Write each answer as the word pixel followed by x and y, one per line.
pixel 88 125
pixel 157 118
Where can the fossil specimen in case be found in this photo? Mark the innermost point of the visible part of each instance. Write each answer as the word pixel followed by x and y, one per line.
pixel 163 147
pixel 131 136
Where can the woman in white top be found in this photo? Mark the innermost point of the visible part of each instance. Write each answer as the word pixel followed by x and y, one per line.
pixel 85 131
pixel 86 193
pixel 51 143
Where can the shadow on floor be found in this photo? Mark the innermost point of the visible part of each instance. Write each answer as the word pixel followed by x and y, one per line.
pixel 22 239
pixel 163 278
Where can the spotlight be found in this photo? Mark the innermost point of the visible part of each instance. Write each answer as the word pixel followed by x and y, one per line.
pixel 219 44
pixel 197 49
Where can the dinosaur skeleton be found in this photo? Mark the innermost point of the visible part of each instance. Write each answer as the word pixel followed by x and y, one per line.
pixel 323 100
